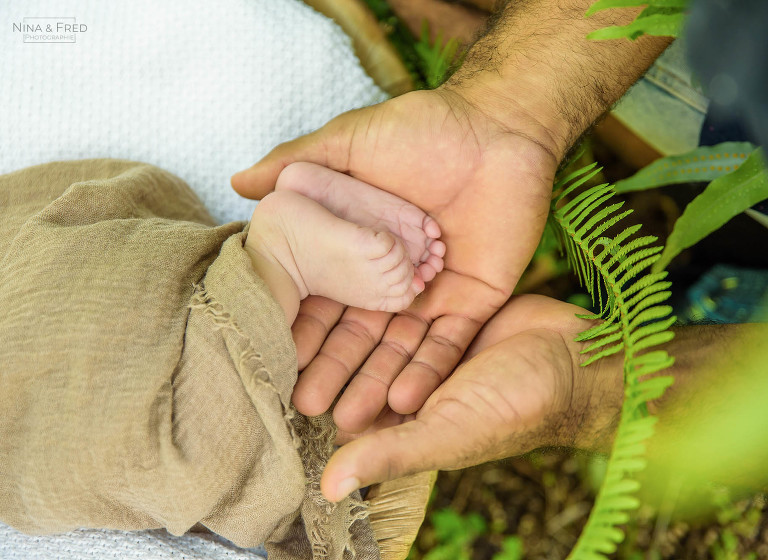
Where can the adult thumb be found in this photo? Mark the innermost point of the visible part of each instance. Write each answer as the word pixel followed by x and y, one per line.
pixel 392 453
pixel 327 146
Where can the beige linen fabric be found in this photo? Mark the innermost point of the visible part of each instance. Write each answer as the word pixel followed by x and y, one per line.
pixel 146 371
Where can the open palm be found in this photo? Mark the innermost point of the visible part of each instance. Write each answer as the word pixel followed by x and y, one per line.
pixel 486 185
pixel 519 388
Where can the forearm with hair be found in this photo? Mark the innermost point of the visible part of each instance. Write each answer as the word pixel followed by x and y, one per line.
pixel 701 352
pixel 535 71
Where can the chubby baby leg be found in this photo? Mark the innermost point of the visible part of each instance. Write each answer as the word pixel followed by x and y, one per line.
pixel 300 247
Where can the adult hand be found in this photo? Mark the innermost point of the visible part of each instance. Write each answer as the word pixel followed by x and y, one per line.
pixel 486 183
pixel 479 154
pixel 521 388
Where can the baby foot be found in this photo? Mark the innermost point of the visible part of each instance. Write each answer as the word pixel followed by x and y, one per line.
pixel 329 256
pixel 356 201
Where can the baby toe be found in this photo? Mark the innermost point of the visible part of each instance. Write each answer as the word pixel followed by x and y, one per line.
pixel 436 248
pixel 415 243
pixel 435 262
pixel 417 285
pixel 426 272
pixel 395 303
pixel 431 227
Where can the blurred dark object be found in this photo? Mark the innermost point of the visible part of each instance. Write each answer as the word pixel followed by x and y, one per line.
pixel 728 47
pixel 726 294
pixel 738 244
pixel 629 147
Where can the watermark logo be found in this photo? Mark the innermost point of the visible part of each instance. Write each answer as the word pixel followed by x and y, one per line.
pixel 49 29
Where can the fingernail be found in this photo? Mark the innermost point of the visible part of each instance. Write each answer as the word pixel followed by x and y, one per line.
pixel 347 486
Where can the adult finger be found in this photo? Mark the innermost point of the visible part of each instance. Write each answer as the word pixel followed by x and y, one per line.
pixel 317 316
pixel 434 361
pixel 386 419
pixel 346 347
pixel 366 395
pixel 470 303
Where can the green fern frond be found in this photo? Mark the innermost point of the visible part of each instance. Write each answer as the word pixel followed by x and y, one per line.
pixel 634 319
pixel 660 17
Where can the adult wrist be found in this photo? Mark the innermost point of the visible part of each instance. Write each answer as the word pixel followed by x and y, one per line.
pixel 515 108
pixel 597 394
pixel 605 399
pixel 536 73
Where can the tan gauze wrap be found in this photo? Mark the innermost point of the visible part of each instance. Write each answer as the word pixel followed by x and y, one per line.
pixel 146 371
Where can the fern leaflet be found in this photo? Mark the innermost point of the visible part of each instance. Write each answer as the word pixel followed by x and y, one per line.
pixel 630 302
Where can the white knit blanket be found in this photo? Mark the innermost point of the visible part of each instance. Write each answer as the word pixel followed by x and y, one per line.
pixel 202 88
pixel 120 545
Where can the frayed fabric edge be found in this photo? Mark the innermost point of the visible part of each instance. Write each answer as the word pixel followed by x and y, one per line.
pixel 249 359
pixel 312 437
pixel 317 447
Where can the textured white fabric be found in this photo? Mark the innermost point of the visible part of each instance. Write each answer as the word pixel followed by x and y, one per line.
pixel 201 88
pixel 120 545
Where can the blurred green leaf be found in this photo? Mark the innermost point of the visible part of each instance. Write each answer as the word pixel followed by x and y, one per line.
pixel 607 4
pixel 455 534
pixel 582 300
pixel 452 526
pixel 705 163
pixel 380 8
pixel 435 58
pixel 511 549
pixel 723 199
pixel 657 24
pixel 400 37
